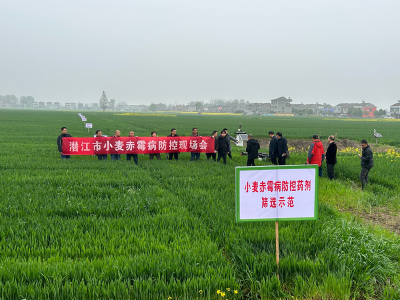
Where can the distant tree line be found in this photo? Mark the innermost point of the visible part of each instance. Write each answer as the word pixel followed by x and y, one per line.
pixel 24 100
pixel 380 113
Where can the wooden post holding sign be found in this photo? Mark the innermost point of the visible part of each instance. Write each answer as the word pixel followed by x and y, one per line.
pixel 287 193
pixel 88 125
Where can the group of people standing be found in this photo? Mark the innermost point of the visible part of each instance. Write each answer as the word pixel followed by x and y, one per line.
pixel 222 146
pixel 316 155
pixel 278 151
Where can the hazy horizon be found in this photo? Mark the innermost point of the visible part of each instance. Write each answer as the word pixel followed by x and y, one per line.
pixel 181 51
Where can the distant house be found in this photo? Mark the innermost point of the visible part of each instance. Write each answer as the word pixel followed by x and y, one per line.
pixel 161 107
pixel 136 108
pixel 368 109
pixel 238 107
pixel 308 109
pixel 281 105
pixel 70 105
pixel 259 108
pixel 313 109
pixel 189 108
pixel 395 110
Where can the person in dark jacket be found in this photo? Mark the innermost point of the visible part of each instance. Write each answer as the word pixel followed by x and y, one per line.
pixel 174 154
pixel 316 153
pixel 229 139
pixel 214 135
pixel 194 155
pixel 273 148
pixel 252 150
pixel 331 157
pixel 282 148
pixel 134 156
pixel 223 146
pixel 59 141
pixel 367 162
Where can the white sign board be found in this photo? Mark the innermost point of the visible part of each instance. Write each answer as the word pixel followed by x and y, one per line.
pixel 84 119
pixel 89 125
pixel 276 193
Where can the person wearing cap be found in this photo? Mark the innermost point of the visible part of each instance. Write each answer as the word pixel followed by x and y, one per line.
pixel 367 162
pixel 252 150
pixel 331 157
pixel 282 148
pixel 273 148
pixel 316 153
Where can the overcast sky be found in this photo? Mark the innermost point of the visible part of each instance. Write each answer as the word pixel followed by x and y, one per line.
pixel 180 51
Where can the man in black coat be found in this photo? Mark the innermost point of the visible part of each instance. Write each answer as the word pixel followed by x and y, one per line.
pixel 252 150
pixel 229 139
pixel 59 141
pixel 273 148
pixel 330 157
pixel 223 146
pixel 282 148
pixel 367 162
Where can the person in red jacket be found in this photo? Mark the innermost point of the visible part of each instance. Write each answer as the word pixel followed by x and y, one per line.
pixel 316 153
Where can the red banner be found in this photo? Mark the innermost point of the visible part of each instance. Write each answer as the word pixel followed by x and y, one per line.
pixel 136 145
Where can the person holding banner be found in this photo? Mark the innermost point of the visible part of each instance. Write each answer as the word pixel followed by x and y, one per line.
pixel 100 156
pixel 273 148
pixel 175 155
pixel 116 156
pixel 194 155
pixel 157 155
pixel 252 150
pixel 129 156
pixel 59 141
pixel 223 146
pixel 316 154
pixel 214 135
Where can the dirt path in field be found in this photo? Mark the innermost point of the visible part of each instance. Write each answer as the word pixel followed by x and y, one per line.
pixel 379 216
pixel 341 144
